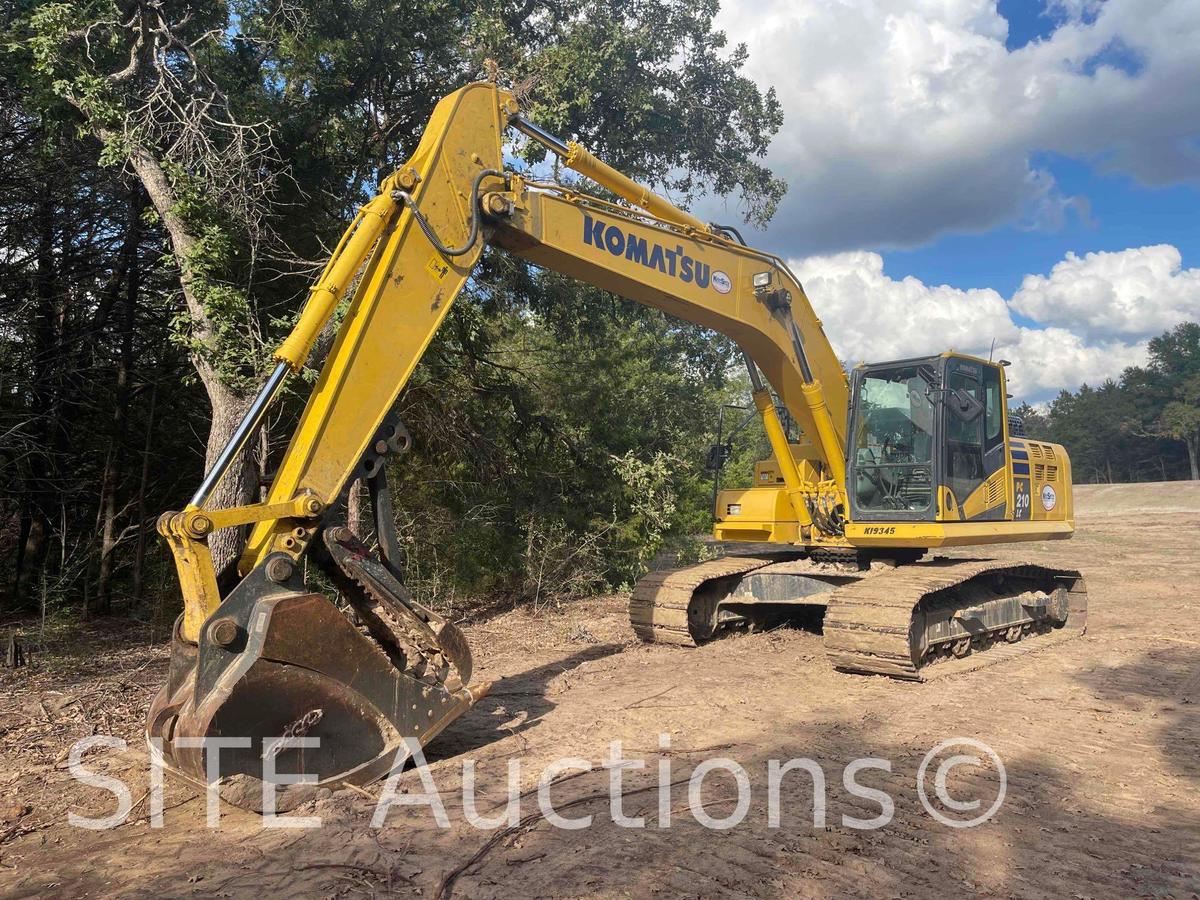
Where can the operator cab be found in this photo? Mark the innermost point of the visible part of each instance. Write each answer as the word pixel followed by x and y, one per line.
pixel 921 429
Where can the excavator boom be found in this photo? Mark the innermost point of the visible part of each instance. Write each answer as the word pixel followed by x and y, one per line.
pixel 263 659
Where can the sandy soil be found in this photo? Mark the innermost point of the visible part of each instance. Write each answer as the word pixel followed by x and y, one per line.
pixel 1098 738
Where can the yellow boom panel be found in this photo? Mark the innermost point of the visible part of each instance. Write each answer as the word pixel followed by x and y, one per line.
pixel 697 277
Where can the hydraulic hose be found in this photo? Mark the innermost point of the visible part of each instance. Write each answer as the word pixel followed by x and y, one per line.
pixel 476 216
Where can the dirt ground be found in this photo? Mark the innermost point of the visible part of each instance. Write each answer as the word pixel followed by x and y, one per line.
pixel 1098 738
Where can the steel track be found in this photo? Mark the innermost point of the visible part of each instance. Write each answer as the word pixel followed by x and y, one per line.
pixel 868 624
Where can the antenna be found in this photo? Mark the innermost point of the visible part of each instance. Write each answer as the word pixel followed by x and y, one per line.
pixel 993 350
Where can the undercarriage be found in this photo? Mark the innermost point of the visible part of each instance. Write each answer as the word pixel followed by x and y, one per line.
pixel 878 615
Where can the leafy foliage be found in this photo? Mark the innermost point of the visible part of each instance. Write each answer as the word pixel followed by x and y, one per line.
pixel 559 430
pixel 593 414
pixel 1144 427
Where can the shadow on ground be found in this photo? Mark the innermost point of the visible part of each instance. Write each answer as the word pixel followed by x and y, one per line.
pixel 515 704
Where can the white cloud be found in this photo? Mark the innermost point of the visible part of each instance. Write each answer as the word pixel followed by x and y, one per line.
pixel 906 119
pixel 1138 291
pixel 1044 361
pixel 869 316
pixel 1094 314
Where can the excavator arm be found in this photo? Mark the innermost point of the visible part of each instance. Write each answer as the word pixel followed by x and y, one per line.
pixel 392 279
pixel 411 250
pixel 418 240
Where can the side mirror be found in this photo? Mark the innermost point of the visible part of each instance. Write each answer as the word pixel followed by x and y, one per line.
pixel 718 455
pixel 965 405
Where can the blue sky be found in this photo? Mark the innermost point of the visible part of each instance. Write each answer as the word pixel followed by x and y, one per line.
pixel 968 171
pixel 1120 214
pixel 1028 20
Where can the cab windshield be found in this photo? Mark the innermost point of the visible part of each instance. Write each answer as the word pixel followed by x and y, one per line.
pixel 893 441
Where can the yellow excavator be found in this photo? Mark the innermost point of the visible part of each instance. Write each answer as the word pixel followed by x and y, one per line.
pixel 892 461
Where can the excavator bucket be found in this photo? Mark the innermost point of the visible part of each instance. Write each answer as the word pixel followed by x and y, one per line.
pixel 277 663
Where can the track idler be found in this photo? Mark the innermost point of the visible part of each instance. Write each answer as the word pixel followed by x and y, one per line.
pixel 278 662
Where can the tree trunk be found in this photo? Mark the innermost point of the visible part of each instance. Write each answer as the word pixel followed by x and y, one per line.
pixel 24 528
pixel 228 405
pixel 44 396
pixel 1193 448
pixel 240 481
pixel 139 554
pixel 116 456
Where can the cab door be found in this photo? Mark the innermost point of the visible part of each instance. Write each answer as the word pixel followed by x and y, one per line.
pixel 995 421
pixel 973 445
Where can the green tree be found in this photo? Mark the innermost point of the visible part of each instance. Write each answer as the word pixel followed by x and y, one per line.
pixel 83 353
pixel 1142 426
pixel 1167 390
pixel 1094 425
pixel 1181 420
pixel 1037 423
pixel 255 127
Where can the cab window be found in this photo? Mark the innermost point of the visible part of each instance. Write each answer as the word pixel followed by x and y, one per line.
pixel 893 443
pixel 961 430
pixel 993 414
pixel 963 470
